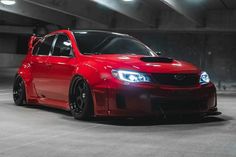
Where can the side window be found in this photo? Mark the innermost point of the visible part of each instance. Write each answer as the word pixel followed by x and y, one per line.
pixel 45 46
pixel 62 47
pixel 36 48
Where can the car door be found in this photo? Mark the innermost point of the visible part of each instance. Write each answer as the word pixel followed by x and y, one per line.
pixel 62 65
pixel 39 65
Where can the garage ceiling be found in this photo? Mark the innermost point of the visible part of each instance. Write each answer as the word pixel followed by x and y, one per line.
pixel 107 13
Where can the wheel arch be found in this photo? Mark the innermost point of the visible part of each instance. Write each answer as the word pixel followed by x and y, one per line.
pixel 25 73
pixel 72 86
pixel 24 96
pixel 97 78
pixel 21 75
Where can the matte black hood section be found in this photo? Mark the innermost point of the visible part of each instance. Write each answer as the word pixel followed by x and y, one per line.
pixel 156 59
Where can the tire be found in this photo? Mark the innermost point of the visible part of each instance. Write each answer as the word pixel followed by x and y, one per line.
pixel 19 95
pixel 81 103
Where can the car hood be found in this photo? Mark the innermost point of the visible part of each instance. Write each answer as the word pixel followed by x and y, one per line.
pixel 145 64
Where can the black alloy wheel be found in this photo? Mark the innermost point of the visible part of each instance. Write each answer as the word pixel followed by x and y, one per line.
pixel 81 100
pixel 19 95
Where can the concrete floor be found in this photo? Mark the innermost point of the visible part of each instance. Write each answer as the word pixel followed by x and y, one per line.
pixel 44 132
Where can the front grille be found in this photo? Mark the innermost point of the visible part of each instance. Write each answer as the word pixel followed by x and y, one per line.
pixel 181 80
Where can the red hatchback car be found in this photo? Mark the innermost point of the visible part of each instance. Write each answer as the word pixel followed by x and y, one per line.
pixel 98 73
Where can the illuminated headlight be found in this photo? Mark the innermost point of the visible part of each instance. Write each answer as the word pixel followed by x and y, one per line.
pixel 131 76
pixel 204 78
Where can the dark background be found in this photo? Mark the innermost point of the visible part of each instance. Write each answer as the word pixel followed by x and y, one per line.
pixel 213 52
pixel 201 32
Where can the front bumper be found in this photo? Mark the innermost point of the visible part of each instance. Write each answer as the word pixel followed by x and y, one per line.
pixel 152 100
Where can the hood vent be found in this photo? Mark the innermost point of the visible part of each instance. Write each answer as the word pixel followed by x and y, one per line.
pixel 156 59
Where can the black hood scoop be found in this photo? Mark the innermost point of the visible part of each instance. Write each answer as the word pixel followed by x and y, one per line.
pixel 156 59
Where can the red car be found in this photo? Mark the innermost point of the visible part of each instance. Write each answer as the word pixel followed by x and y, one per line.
pixel 98 73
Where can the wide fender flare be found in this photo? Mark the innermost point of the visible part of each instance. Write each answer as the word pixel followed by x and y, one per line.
pixel 25 73
pixel 93 75
pixel 98 84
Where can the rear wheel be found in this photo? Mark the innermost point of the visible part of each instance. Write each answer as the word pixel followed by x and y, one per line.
pixel 19 95
pixel 81 104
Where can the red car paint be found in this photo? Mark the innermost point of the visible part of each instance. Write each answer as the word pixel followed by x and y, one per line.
pixel 47 81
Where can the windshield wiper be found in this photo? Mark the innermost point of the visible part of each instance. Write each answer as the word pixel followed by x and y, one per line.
pixel 95 53
pixel 88 53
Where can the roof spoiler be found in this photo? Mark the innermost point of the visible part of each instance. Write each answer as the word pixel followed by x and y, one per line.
pixel 32 41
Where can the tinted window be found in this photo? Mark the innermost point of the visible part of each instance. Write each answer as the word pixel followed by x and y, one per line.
pixel 62 46
pixel 88 41
pixel 46 46
pixel 125 46
pixel 110 43
pixel 36 48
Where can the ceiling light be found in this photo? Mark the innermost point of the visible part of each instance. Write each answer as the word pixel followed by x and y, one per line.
pixel 8 2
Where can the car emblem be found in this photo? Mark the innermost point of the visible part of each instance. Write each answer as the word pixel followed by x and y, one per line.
pixel 180 77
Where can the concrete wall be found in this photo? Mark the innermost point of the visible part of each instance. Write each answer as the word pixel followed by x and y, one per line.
pixel 215 53
pixel 8 51
pixel 8 43
pixel 10 60
pixel 222 61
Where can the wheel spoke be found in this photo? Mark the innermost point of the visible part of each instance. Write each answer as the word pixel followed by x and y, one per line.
pixel 82 105
pixel 80 96
pixel 80 90
pixel 18 89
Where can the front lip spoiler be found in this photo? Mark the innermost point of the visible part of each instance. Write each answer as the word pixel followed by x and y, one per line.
pixel 211 112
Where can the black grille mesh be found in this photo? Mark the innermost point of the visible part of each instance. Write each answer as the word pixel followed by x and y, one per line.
pixel 181 80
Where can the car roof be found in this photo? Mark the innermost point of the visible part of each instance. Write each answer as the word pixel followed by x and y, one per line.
pixel 100 32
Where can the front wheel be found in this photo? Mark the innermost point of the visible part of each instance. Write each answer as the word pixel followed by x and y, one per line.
pixel 19 95
pixel 81 104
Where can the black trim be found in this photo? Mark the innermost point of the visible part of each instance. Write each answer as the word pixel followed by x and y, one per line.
pixel 156 60
pixel 120 101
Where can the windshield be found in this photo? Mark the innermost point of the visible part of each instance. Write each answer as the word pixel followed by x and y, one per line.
pixel 108 43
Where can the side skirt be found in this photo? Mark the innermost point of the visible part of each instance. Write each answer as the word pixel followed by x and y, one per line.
pixel 54 103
